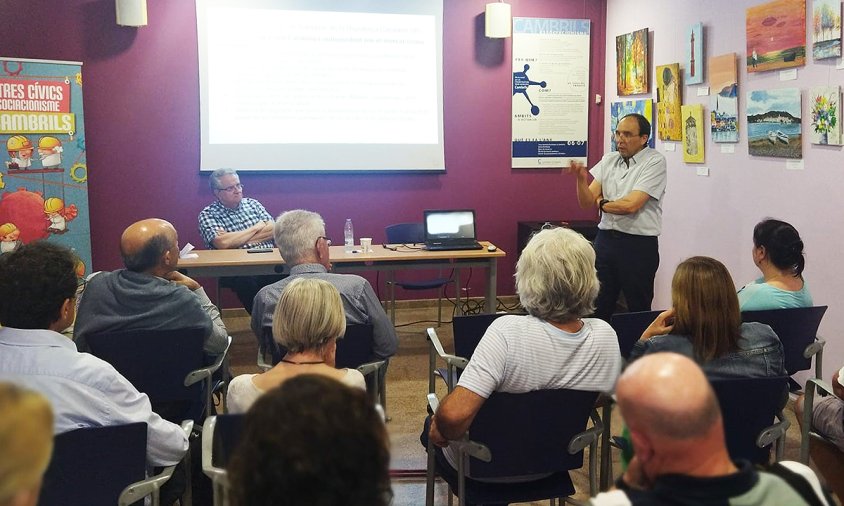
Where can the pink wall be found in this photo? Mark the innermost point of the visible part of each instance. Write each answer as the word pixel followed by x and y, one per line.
pixel 715 215
pixel 142 122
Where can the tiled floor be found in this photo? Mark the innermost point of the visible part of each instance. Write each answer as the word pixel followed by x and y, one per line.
pixel 407 386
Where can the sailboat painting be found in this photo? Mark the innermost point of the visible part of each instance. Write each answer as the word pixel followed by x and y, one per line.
pixel 723 79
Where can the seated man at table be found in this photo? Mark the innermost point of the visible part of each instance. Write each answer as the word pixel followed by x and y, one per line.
pixel 300 236
pixel 681 453
pixel 234 221
pixel 39 284
pixel 149 294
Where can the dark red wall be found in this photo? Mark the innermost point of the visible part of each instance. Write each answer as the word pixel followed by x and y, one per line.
pixel 142 123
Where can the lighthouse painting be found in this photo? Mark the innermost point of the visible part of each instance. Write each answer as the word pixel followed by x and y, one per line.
pixel 693 42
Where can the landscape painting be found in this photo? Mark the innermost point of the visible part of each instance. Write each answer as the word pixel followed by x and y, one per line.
pixel 773 123
pixel 825 102
pixel 776 35
pixel 826 29
pixel 723 79
pixel 668 102
pixel 631 62
pixel 693 44
pixel 619 110
pixel 693 139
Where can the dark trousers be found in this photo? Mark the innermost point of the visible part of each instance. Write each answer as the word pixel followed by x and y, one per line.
pixel 246 287
pixel 626 264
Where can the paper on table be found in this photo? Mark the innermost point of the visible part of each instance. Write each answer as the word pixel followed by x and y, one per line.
pixel 186 252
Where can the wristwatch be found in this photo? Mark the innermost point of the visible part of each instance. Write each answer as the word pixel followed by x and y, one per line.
pixel 601 204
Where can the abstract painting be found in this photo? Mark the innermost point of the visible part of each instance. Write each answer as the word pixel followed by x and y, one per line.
pixel 631 62
pixel 693 139
pixel 825 102
pixel 776 35
pixel 668 102
pixel 619 110
pixel 826 29
pixel 773 123
pixel 723 79
pixel 693 42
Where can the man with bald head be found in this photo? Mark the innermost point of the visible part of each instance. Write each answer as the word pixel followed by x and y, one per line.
pixel 681 453
pixel 149 294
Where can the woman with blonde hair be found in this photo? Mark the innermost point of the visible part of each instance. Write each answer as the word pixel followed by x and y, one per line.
pixel 705 324
pixel 308 320
pixel 26 443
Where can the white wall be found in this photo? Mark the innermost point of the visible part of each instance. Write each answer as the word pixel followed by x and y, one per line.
pixel 715 215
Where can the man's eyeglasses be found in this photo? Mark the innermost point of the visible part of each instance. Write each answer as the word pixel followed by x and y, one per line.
pixel 327 241
pixel 231 189
pixel 625 135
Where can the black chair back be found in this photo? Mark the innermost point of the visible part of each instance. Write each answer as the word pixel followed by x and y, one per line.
pixel 405 233
pixel 353 349
pixel 92 466
pixel 749 405
pixel 796 328
pixel 227 434
pixel 629 328
pixel 468 331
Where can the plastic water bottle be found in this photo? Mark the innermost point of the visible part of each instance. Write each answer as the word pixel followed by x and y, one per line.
pixel 349 236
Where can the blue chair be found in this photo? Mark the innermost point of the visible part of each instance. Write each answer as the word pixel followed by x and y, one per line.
pixel 102 466
pixel 220 436
pixel 413 233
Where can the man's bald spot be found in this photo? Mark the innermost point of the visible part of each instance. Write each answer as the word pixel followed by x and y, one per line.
pixel 144 242
pixel 667 394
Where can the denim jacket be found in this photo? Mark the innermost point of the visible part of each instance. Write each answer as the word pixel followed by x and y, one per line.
pixel 759 353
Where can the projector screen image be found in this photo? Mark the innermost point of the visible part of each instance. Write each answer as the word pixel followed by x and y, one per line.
pixel 291 85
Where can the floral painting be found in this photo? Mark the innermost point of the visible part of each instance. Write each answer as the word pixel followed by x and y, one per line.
pixel 668 102
pixel 723 80
pixel 776 35
pixel 826 115
pixel 619 110
pixel 631 62
pixel 693 139
pixel 774 123
pixel 826 29
pixel 693 44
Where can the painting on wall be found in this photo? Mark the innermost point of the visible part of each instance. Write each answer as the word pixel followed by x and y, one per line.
pixel 668 102
pixel 773 123
pixel 723 80
pixel 776 35
pixel 693 140
pixel 826 111
pixel 631 62
pixel 693 42
pixel 618 110
pixel 826 29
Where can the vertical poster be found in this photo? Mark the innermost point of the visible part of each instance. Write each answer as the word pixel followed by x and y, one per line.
pixel 668 102
pixel 44 176
pixel 723 79
pixel 618 110
pixel 550 108
pixel 693 140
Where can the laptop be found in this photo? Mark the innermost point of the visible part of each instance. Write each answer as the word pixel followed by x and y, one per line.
pixel 450 230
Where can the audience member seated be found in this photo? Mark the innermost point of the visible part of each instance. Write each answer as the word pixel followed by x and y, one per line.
pixel 38 283
pixel 681 454
pixel 149 294
pixel 26 439
pixel 308 320
pixel 553 347
pixel 828 420
pixel 778 253
pixel 300 236
pixel 705 324
pixel 314 441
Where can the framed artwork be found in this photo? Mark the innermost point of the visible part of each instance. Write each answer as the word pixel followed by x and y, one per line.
pixel 618 110
pixel 825 102
pixel 773 123
pixel 693 42
pixel 776 35
pixel 826 29
pixel 723 80
pixel 693 140
pixel 668 102
pixel 631 62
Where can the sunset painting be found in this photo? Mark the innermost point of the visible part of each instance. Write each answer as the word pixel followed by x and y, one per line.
pixel 776 35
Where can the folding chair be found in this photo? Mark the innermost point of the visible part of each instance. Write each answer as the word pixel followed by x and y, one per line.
pixel 629 328
pixel 167 365
pixel 413 233
pixel 536 433
pixel 808 434
pixel 102 465
pixel 220 436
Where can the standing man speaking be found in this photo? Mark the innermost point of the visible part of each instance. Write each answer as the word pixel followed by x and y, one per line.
pixel 627 189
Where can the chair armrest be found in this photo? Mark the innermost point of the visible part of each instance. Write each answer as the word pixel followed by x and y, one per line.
pixel 773 432
pixel 433 402
pixel 206 372
pixel 473 449
pixel 371 367
pixel 216 474
pixel 450 359
pixel 814 348
pixel 591 435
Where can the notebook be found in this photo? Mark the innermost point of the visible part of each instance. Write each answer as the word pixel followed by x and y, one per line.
pixel 450 230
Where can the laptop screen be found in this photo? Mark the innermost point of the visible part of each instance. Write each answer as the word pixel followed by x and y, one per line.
pixel 458 224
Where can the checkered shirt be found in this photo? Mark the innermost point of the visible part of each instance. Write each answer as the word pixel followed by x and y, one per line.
pixel 217 216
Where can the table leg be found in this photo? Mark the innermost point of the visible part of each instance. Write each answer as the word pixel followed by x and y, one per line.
pixel 491 285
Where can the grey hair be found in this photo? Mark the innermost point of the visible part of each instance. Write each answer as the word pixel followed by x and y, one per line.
pixel 555 277
pixel 309 315
pixel 295 233
pixel 214 178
